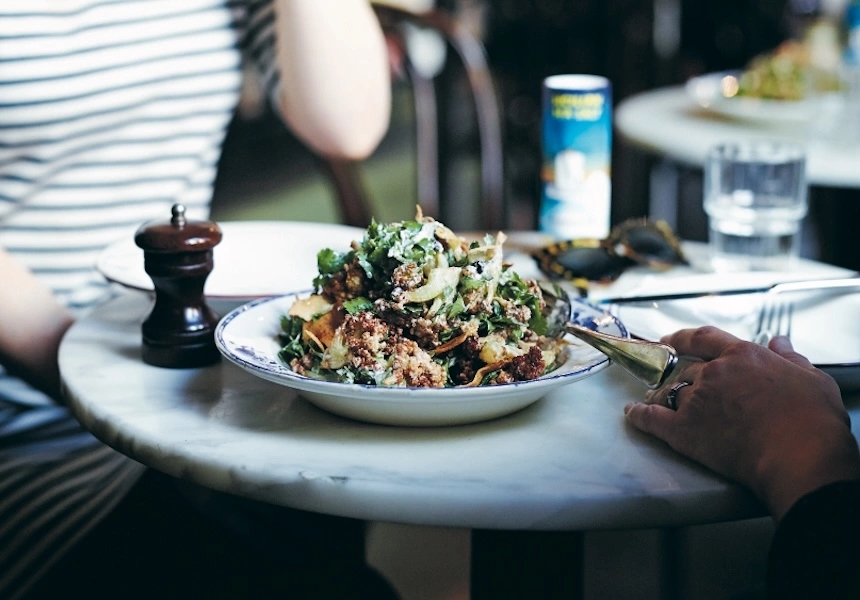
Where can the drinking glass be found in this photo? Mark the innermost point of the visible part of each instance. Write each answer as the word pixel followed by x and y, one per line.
pixel 755 197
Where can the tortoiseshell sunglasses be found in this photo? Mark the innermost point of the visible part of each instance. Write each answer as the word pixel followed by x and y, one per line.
pixel 637 241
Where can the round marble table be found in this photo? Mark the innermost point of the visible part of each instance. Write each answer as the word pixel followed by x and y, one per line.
pixel 667 121
pixel 527 484
pixel 565 463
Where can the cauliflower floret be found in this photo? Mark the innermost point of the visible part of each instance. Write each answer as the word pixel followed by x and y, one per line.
pixel 407 276
pixel 359 340
pixel 414 367
pixel 529 366
pixel 346 284
pixel 495 350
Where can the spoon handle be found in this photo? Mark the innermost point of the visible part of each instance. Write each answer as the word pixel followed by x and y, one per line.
pixel 649 362
pixel 674 370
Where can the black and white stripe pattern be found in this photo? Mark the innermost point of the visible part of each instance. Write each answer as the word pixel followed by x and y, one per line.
pixel 111 111
pixel 56 483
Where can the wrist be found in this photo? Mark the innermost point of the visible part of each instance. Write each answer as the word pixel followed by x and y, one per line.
pixel 785 477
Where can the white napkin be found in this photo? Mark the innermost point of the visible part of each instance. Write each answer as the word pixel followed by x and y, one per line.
pixel 698 277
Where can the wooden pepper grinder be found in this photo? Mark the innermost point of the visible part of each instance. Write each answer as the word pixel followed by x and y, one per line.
pixel 178 258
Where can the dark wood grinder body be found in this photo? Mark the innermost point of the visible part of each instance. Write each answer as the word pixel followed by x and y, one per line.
pixel 179 331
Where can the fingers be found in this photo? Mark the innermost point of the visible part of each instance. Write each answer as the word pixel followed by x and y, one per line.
pixel 705 342
pixel 686 371
pixel 782 346
pixel 669 394
pixel 651 418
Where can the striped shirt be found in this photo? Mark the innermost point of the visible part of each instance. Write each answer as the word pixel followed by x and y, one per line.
pixel 111 111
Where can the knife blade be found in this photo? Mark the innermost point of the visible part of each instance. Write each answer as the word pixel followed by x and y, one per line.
pixel 782 287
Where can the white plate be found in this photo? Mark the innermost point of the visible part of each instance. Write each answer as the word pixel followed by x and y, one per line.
pixel 707 92
pixel 248 337
pixel 824 327
pixel 254 258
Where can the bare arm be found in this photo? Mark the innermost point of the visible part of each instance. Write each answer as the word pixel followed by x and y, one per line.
pixel 336 90
pixel 32 323
pixel 765 417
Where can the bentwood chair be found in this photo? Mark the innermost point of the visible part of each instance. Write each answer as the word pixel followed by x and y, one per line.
pixel 467 49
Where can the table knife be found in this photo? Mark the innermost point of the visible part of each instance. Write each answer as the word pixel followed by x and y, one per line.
pixel 782 287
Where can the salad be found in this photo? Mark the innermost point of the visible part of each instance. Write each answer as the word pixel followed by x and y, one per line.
pixel 786 73
pixel 412 304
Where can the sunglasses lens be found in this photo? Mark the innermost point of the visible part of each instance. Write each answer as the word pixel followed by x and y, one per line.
pixel 581 259
pixel 635 241
pixel 648 242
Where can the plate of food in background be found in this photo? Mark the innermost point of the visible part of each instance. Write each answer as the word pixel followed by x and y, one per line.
pixel 782 86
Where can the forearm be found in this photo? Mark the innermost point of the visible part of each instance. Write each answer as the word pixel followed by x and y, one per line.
pixel 809 475
pixel 32 323
pixel 819 459
pixel 333 64
pixel 814 553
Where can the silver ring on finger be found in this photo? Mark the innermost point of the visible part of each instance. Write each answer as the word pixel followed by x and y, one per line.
pixel 672 396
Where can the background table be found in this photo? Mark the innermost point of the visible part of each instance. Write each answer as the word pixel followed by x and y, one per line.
pixel 667 123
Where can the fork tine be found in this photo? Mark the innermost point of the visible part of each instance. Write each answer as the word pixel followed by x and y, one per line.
pixel 762 327
pixel 774 318
pixel 762 317
pixel 785 322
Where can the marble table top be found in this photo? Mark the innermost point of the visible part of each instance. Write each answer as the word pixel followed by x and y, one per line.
pixel 568 462
pixel 667 121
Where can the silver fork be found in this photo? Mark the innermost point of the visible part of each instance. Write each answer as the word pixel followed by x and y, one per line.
pixel 774 319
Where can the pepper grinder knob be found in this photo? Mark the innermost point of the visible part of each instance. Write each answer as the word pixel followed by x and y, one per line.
pixel 179 331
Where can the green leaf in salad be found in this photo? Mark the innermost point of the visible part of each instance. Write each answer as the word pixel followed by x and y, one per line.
pixel 292 345
pixel 538 322
pixel 455 308
pixel 472 283
pixel 513 288
pixel 490 377
pixel 329 262
pixel 384 247
pixel 357 305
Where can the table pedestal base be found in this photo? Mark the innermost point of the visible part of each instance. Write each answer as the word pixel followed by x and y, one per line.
pixel 527 564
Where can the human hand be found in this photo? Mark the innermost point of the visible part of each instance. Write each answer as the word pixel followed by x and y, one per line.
pixel 765 417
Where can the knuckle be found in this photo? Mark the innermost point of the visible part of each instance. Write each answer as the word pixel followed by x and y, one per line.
pixel 738 353
pixel 701 333
pixel 714 370
pixel 744 350
pixel 650 417
pixel 827 381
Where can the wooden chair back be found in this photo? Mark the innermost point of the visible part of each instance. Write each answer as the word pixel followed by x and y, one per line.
pixel 351 195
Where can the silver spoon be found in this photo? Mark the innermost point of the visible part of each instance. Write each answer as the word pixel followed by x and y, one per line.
pixel 652 363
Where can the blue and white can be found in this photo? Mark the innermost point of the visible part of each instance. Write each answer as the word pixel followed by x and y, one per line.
pixel 577 154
